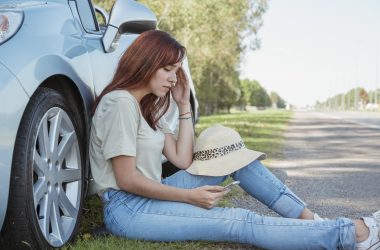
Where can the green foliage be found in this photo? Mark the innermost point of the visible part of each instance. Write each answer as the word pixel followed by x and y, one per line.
pixel 374 96
pixel 117 243
pixel 216 34
pixel 277 101
pixel 92 216
pixel 260 130
pixel 213 33
pixel 254 94
pixel 105 4
pixel 355 98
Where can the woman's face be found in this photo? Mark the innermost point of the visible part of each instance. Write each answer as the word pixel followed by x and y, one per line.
pixel 164 79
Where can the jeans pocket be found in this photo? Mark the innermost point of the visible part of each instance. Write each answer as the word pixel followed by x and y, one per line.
pixel 123 199
pixel 107 195
pixel 118 215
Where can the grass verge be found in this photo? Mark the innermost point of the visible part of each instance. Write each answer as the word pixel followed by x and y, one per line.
pixel 260 130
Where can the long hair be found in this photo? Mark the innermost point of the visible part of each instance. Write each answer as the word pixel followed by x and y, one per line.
pixel 151 51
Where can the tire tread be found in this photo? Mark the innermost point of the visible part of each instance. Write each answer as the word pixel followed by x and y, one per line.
pixel 18 230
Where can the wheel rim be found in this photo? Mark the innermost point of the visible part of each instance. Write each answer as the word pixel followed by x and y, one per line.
pixel 57 176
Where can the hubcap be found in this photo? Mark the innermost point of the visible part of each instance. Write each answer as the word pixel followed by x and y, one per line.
pixel 56 176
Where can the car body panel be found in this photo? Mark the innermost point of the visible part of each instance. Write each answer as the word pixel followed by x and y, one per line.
pixel 52 41
pixel 46 54
pixel 10 89
pixel 99 59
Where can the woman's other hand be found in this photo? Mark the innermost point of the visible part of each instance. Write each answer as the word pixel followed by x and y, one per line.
pixel 181 90
pixel 206 196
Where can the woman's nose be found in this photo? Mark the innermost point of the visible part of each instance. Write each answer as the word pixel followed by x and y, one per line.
pixel 173 78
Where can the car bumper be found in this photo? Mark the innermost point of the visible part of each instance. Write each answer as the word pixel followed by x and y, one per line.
pixel 13 100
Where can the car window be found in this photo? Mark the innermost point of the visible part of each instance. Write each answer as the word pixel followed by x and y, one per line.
pixel 87 16
pixel 102 9
pixel 102 17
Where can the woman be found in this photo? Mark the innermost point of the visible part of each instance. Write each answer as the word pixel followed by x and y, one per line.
pixel 128 136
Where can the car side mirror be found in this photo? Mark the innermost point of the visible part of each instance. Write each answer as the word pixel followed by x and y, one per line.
pixel 127 16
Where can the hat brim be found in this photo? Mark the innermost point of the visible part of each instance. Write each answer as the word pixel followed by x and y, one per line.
pixel 226 164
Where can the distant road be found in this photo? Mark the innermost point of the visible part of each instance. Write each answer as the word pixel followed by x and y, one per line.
pixel 332 161
pixel 367 119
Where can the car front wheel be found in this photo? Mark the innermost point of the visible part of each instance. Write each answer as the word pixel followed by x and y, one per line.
pixel 46 191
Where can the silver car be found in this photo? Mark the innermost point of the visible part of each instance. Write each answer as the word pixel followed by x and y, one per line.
pixel 55 57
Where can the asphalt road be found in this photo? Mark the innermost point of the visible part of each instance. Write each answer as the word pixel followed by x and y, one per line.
pixel 332 161
pixel 366 119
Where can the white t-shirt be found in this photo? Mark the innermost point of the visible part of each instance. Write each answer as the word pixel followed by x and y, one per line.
pixel 118 128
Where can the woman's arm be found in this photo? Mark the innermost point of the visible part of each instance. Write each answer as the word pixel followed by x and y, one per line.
pixel 180 151
pixel 130 180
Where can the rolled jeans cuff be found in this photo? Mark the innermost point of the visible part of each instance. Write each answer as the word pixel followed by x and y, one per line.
pixel 282 204
pixel 347 234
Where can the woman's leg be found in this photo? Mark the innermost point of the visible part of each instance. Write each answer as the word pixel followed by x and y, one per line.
pixel 256 180
pixel 261 184
pixel 136 217
pixel 183 179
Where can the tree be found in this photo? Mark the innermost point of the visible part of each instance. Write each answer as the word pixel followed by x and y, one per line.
pixel 363 96
pixel 277 101
pixel 216 34
pixel 254 94
pixel 353 99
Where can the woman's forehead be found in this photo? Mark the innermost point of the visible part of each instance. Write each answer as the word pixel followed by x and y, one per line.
pixel 175 65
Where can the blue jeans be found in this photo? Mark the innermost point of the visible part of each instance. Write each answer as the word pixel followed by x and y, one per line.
pixel 136 217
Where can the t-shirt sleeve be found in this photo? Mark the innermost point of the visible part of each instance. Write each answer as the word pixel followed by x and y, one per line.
pixel 119 125
pixel 164 126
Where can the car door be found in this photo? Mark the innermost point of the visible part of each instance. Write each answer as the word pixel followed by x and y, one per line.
pixel 103 64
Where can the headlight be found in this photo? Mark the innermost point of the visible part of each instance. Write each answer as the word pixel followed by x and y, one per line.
pixel 10 22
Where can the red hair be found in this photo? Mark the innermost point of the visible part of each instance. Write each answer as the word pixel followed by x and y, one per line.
pixel 151 51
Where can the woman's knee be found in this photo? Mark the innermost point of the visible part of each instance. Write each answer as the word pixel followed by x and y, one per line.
pixel 242 171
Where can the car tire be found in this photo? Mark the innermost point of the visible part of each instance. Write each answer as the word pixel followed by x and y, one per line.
pixel 47 177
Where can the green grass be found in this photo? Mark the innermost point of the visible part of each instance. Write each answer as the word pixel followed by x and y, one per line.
pixel 260 130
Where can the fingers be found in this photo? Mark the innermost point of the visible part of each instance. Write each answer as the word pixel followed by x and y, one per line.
pixel 219 191
pixel 214 188
pixel 215 194
pixel 215 198
pixel 208 196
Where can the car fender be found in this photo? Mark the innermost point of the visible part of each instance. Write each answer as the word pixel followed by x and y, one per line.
pixel 54 48
pixel 12 110
pixel 77 71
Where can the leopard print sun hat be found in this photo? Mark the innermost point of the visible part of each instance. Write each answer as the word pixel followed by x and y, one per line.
pixel 221 151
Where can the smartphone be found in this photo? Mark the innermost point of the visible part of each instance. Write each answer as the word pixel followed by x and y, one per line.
pixel 231 184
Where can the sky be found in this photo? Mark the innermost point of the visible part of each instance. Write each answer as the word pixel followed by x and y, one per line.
pixel 315 49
